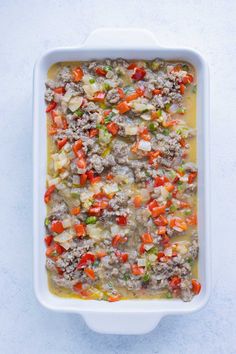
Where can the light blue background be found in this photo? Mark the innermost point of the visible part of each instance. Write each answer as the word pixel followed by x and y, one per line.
pixel 27 28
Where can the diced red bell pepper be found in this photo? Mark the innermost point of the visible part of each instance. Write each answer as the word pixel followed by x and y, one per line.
pixel 182 89
pixel 196 286
pixel 160 181
pixel 138 74
pixel 113 128
pixel 175 282
pixel 93 132
pixel 85 259
pixel 90 273
pixel 121 93
pixel 191 177
pixel 161 221
pixel 132 66
pixel 51 106
pixel 48 240
pixel 122 220
pixel 55 250
pixel 157 92
pixel 147 238
pixel 187 79
pixel 101 72
pixel 77 74
pixel 123 107
pixel 61 143
pixel 57 226
pixel 114 298
pixel 80 230
pixel 81 164
pixel 158 211
pixel 59 90
pixel 48 193
pixel 83 178
pixel 118 239
pixel 95 211
pixel 77 146
pixel 142 249
pixel 136 270
pixel 90 174
pixel 132 97
pixel 99 97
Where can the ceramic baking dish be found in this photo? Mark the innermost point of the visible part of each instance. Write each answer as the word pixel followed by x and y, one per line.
pixel 129 316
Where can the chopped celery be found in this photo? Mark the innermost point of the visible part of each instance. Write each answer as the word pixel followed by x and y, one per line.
pixel 194 89
pixel 185 67
pixel 79 112
pixel 102 105
pixel 46 221
pixel 173 208
pixel 153 250
pixel 167 106
pixel 152 127
pixel 187 212
pixel 166 131
pixel 159 113
pixel 107 67
pixel 106 86
pixel 126 276
pixel 104 136
pixel 169 295
pixel 146 277
pixel 91 81
pixel 91 220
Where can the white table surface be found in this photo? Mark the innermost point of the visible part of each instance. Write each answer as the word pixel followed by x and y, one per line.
pixel 27 29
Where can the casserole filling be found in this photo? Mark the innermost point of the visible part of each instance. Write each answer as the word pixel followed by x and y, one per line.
pixel 122 180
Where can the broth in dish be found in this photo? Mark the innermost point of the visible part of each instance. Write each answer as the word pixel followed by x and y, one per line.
pixel 121 189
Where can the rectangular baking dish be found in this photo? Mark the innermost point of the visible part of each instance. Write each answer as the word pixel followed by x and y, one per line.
pixel 129 316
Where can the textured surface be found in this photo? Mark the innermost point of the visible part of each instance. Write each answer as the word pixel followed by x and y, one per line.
pixel 27 29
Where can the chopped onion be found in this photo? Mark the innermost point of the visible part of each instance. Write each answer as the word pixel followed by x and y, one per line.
pixel 76 179
pixel 131 130
pixel 67 223
pixel 67 96
pixel 173 108
pixel 54 181
pixel 84 196
pixel 144 145
pixel 152 257
pixel 168 252
pixel 64 174
pixel 148 246
pixel 111 188
pixel 63 237
pixel 75 103
pixel 146 116
pixel 164 193
pixel 144 194
pixel 67 147
pixel 141 262
pixel 95 232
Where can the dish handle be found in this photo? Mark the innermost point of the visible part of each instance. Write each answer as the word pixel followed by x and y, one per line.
pixel 127 38
pixel 122 323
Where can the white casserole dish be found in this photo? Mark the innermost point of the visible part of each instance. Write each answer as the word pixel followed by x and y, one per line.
pixel 129 316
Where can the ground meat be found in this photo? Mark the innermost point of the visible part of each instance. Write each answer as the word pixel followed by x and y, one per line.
pixel 49 95
pixel 99 163
pixel 140 170
pixel 75 88
pixel 121 151
pixel 119 201
pixel 64 75
pixel 113 96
